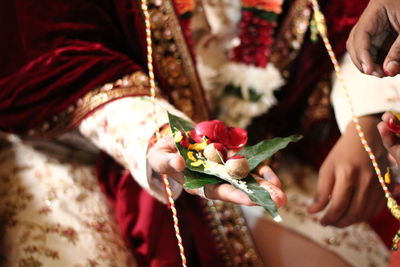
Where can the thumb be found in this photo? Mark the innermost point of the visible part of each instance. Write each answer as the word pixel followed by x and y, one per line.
pixel 391 65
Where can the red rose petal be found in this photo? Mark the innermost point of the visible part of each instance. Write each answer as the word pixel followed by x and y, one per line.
pixel 221 148
pixel 185 141
pixel 211 129
pixel 195 137
pixel 237 138
pixel 236 157
pixel 394 127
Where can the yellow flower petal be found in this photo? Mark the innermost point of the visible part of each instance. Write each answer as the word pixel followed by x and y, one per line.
pixel 178 136
pixel 197 163
pixel 191 156
pixel 387 177
pixel 198 146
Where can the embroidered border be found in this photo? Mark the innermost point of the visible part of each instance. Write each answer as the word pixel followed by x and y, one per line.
pixel 136 84
pixel 233 238
pixel 291 36
pixel 174 59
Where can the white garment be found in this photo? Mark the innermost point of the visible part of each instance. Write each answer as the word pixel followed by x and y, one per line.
pixel 369 94
pixel 53 212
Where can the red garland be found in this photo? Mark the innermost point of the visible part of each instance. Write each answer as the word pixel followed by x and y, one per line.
pixel 256 38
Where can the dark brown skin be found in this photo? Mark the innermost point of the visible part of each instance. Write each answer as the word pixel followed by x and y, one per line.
pixel 348 190
pixel 374 42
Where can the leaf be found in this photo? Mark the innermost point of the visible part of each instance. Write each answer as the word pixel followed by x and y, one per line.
pixel 179 123
pixel 261 197
pixel 265 149
pixel 195 180
pixel 196 177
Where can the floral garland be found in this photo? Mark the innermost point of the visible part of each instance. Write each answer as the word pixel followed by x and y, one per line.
pixel 249 79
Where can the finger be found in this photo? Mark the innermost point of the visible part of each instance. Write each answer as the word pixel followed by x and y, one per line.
pixel 391 64
pixel 324 188
pixel 269 175
pixel 167 163
pixel 227 192
pixel 362 52
pixel 341 196
pixel 357 208
pixel 353 52
pixel 387 116
pixel 275 192
pixel 388 137
pixel 165 144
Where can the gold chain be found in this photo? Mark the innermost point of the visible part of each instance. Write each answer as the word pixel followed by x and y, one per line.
pixel 150 66
pixel 322 30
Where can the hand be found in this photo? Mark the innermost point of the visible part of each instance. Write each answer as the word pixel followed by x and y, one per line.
pixel 348 189
pixel 164 158
pixel 374 39
pixel 389 138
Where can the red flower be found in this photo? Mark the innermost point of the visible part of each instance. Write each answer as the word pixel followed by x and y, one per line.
pixel 394 126
pixel 185 140
pixel 217 132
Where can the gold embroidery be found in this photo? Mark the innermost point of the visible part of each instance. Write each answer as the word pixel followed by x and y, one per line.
pixel 291 36
pixel 135 84
pixel 318 104
pixel 175 61
pixel 38 238
pixel 232 235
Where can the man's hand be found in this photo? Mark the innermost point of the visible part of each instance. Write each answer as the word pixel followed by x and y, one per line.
pixel 348 190
pixel 374 42
pixel 164 158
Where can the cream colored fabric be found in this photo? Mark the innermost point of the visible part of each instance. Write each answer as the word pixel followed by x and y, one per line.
pixel 369 94
pixel 358 244
pixel 52 210
pixel 123 129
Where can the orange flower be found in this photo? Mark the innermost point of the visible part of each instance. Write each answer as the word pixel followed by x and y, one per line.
pixel 266 5
pixel 184 6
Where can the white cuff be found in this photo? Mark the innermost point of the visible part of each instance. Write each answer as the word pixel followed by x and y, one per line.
pixel 369 94
pixel 123 129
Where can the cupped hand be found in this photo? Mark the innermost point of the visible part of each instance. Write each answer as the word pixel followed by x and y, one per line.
pixel 348 190
pixel 374 42
pixel 164 158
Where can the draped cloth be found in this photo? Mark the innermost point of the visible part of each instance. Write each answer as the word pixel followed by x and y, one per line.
pixel 54 52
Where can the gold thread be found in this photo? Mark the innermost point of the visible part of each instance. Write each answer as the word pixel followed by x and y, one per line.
pixel 322 30
pixel 153 95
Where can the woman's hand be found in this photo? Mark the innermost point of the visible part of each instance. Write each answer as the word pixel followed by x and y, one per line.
pixel 164 158
pixel 348 189
pixel 389 138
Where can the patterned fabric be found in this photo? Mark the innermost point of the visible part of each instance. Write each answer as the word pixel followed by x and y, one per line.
pixel 52 211
pixel 112 131
pixel 357 244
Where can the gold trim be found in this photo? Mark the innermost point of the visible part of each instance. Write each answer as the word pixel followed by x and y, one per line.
pixel 291 36
pixel 174 60
pixel 232 235
pixel 136 84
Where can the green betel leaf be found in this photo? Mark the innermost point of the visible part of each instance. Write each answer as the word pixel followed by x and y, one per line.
pixel 177 123
pixel 261 197
pixel 265 149
pixel 195 180
pixel 198 176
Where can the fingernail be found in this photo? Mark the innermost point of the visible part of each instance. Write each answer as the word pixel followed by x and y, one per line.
pixel 393 68
pixel 377 74
pixel 364 68
pixel 267 177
